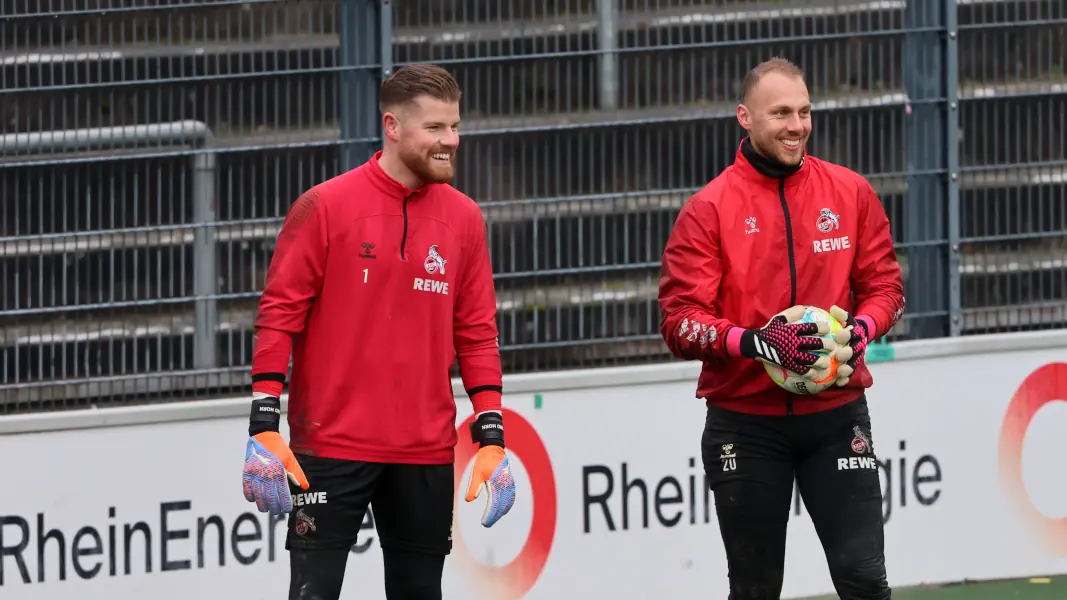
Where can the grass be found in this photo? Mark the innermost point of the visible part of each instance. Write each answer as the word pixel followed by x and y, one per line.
pixel 1033 588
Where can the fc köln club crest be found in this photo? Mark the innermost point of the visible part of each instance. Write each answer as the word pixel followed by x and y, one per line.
pixel 860 443
pixel 304 523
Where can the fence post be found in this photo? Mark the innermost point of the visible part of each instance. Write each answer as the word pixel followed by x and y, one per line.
pixel 608 77
pixel 366 46
pixel 926 203
pixel 205 259
pixel 952 152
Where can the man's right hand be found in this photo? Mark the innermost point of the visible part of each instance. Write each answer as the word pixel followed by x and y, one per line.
pixel 790 345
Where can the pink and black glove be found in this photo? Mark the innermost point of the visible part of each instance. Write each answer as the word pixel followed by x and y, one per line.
pixel 788 344
pixel 859 336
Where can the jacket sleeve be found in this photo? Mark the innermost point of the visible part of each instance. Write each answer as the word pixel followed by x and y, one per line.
pixel 474 328
pixel 691 273
pixel 876 279
pixel 294 277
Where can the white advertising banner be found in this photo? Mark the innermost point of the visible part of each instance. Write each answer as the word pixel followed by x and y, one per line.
pixel 611 500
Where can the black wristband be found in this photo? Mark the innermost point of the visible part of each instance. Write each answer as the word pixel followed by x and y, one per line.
pixel 488 430
pixel 747 344
pixel 266 415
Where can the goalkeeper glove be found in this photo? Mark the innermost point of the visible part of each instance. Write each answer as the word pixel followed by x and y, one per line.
pixel 269 463
pixel 790 345
pixel 491 469
pixel 857 339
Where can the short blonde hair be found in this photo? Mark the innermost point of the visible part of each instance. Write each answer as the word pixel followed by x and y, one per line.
pixel 773 65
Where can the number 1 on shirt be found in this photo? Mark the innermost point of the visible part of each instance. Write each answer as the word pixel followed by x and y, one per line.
pixel 365 273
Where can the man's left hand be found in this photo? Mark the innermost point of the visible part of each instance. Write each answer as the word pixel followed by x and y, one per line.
pixel 857 342
pixel 493 474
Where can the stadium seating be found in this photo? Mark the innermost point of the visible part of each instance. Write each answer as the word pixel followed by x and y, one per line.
pixel 103 244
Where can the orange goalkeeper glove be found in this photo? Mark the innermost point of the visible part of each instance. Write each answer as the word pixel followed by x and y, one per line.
pixel 270 465
pixel 491 470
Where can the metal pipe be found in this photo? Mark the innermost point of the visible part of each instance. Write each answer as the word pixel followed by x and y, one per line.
pixel 205 251
pixel 607 31
pixel 952 154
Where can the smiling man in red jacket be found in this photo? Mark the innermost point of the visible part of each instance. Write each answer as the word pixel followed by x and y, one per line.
pixel 777 230
pixel 380 279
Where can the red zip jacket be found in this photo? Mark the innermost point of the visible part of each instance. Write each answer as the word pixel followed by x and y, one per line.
pixel 380 287
pixel 748 246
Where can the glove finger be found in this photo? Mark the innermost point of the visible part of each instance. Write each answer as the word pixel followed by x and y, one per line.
pixel 808 329
pixel 489 516
pixel 474 487
pixel 793 313
pixel 843 354
pixel 821 364
pixel 285 499
pixel 840 314
pixel 840 381
pixel 261 496
pixel 496 509
pixel 294 472
pixel 809 344
pixel 272 500
pixel 844 336
pixel 817 374
pixel 246 485
pixel 854 360
pixel 297 476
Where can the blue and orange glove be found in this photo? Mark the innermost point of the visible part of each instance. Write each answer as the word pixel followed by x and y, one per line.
pixel 269 463
pixel 491 470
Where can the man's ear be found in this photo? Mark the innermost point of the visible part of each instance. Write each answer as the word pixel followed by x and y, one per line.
pixel 391 126
pixel 744 118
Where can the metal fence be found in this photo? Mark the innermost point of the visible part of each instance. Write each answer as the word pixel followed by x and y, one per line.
pixel 150 150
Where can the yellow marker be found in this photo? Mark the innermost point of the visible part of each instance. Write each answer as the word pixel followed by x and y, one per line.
pixel 1040 580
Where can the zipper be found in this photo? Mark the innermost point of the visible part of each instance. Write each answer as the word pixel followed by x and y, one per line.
pixel 404 238
pixel 792 270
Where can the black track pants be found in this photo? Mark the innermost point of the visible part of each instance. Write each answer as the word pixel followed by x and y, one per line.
pixel 751 462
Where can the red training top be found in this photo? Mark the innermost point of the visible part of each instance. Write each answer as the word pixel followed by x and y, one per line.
pixel 380 287
pixel 748 246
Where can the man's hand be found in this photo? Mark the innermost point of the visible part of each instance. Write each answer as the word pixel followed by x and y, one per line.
pixel 790 345
pixel 857 337
pixel 269 467
pixel 491 471
pixel 269 463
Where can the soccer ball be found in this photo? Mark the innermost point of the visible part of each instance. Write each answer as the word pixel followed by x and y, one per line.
pixel 802 384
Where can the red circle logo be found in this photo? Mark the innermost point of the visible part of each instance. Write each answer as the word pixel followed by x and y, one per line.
pixel 858 446
pixel 1046 384
pixel 513 580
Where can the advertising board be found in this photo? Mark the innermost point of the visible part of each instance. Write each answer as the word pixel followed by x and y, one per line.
pixel 611 503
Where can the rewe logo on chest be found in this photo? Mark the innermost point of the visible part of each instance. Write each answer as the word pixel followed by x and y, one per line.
pixel 832 244
pixel 431 285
